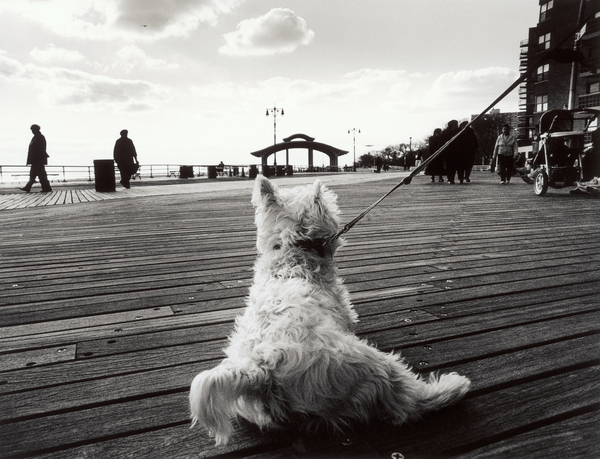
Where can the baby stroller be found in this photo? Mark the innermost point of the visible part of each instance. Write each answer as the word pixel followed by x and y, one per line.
pixel 562 141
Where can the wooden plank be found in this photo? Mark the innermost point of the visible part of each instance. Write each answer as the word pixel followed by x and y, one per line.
pixel 576 437
pixel 84 322
pixel 28 359
pixel 430 332
pixel 121 337
pixel 469 424
pixel 109 366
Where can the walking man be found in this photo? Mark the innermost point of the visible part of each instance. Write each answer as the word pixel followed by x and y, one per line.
pixel 37 157
pixel 125 157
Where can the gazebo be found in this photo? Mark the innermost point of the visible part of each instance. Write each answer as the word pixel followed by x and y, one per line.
pixel 306 142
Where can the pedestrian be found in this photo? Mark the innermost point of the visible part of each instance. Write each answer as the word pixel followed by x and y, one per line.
pixel 409 160
pixel 37 157
pixel 452 152
pixel 435 167
pixel 378 163
pixel 126 158
pixel 468 145
pixel 505 152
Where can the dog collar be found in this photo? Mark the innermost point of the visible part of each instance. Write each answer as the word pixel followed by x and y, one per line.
pixel 314 244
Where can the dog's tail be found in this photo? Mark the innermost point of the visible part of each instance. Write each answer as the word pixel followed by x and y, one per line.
pixel 443 390
pixel 220 394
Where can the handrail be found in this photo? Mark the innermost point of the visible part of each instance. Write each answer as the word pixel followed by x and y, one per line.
pixel 12 173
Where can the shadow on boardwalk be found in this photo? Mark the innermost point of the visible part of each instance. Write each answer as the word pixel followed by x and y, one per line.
pixel 108 313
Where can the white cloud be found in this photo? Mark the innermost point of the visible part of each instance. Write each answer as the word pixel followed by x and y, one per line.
pixel 55 54
pixel 278 31
pixel 124 19
pixel 469 88
pixel 130 57
pixel 59 86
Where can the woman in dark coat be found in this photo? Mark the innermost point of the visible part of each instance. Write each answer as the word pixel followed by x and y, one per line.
pixel 435 167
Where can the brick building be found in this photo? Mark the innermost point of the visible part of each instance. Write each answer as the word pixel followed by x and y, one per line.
pixel 555 84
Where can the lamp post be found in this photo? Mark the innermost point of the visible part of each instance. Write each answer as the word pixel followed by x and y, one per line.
pixel 354 131
pixel 274 111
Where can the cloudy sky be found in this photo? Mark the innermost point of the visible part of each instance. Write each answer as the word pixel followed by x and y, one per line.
pixel 191 79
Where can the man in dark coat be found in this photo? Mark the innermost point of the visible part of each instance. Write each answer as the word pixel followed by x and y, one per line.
pixel 126 158
pixel 37 158
pixel 468 145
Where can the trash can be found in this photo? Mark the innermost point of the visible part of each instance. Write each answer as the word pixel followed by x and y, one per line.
pixel 267 170
pixel 186 171
pixel 104 175
pixel 253 171
pixel 280 171
pixel 289 170
pixel 212 171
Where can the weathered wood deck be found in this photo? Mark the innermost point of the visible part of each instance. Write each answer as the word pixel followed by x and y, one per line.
pixel 108 309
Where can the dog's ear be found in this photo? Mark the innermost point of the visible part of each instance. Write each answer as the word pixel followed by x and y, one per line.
pixel 321 194
pixel 265 192
pixel 325 200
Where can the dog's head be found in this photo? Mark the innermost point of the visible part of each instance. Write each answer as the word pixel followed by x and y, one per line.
pixel 304 217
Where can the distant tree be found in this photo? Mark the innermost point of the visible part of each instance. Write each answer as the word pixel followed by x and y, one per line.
pixel 366 160
pixel 390 154
pixel 487 130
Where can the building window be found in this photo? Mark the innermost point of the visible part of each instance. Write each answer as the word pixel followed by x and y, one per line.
pixel 544 10
pixel 542 72
pixel 541 103
pixel 594 87
pixel 544 42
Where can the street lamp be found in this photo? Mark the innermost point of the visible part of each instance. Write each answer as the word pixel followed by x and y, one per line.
pixel 274 111
pixel 354 131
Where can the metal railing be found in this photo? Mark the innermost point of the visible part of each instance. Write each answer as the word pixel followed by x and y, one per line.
pixel 10 173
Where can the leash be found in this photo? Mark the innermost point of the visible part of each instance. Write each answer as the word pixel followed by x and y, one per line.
pixel 406 180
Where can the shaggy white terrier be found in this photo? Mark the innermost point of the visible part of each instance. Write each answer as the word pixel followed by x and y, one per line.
pixel 293 354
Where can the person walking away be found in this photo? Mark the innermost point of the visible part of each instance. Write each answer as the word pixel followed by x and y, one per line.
pixel 435 167
pixel 505 152
pixel 126 158
pixel 409 160
pixel 468 145
pixel 452 152
pixel 37 157
pixel 378 163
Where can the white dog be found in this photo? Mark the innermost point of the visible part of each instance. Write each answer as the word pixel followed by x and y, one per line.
pixel 293 354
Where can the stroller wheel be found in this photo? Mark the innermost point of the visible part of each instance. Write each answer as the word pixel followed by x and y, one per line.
pixel 540 182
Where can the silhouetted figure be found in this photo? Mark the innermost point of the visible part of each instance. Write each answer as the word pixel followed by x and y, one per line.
pixel 435 167
pixel 126 158
pixel 409 160
pixel 378 163
pixel 505 152
pixel 451 153
pixel 467 148
pixel 37 157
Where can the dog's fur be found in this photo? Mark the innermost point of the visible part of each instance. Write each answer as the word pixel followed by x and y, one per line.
pixel 293 354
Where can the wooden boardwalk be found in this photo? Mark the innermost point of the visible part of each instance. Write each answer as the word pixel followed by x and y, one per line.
pixel 108 309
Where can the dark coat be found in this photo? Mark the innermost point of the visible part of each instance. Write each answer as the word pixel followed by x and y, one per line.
pixel 468 144
pixel 124 152
pixel 436 167
pixel 36 154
